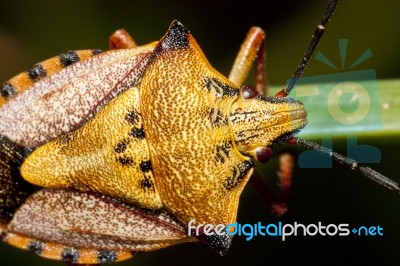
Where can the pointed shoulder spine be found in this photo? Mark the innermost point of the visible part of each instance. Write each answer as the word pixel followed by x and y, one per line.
pixel 176 37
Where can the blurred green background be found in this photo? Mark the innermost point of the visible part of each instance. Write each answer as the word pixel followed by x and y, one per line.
pixel 31 31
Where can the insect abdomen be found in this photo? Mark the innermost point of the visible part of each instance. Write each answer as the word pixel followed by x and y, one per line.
pixel 57 251
pixel 27 79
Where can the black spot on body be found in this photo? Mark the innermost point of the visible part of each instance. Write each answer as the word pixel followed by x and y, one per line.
pixel 125 160
pixel 225 148
pixel 238 174
pixel 132 117
pixel 37 72
pixel 221 87
pixel 220 158
pixel 68 58
pixel 105 256
pixel 36 247
pixel 97 51
pixel 137 133
pixel 120 147
pixel 146 184
pixel 7 90
pixel 217 118
pixel 70 254
pixel 145 166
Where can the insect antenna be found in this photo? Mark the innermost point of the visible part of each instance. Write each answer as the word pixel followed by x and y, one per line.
pixel 311 47
pixel 367 171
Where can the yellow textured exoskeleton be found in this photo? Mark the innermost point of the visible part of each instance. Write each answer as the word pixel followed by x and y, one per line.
pixel 183 139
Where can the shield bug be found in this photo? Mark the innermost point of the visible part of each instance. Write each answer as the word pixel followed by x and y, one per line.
pixel 108 154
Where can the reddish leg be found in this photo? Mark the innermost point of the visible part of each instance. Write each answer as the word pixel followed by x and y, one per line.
pixel 121 40
pixel 252 49
pixel 276 201
pixel 286 165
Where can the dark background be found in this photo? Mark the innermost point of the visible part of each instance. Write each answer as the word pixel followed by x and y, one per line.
pixel 31 31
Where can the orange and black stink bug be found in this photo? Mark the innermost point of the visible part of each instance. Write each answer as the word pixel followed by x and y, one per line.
pixel 108 154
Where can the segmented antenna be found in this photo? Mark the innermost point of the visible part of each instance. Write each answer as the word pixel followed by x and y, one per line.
pixel 368 172
pixel 311 47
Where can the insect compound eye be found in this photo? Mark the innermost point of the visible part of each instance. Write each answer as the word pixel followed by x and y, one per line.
pixel 249 92
pixel 263 154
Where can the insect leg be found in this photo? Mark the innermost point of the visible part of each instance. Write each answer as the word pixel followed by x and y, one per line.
pixel 311 47
pixel 121 39
pixel 286 165
pixel 252 49
pixel 276 201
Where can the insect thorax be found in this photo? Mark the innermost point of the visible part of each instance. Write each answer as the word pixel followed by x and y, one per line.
pixel 185 105
pixel 109 155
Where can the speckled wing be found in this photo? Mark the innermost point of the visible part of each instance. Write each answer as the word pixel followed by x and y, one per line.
pixel 55 97
pixel 86 221
pixel 63 101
